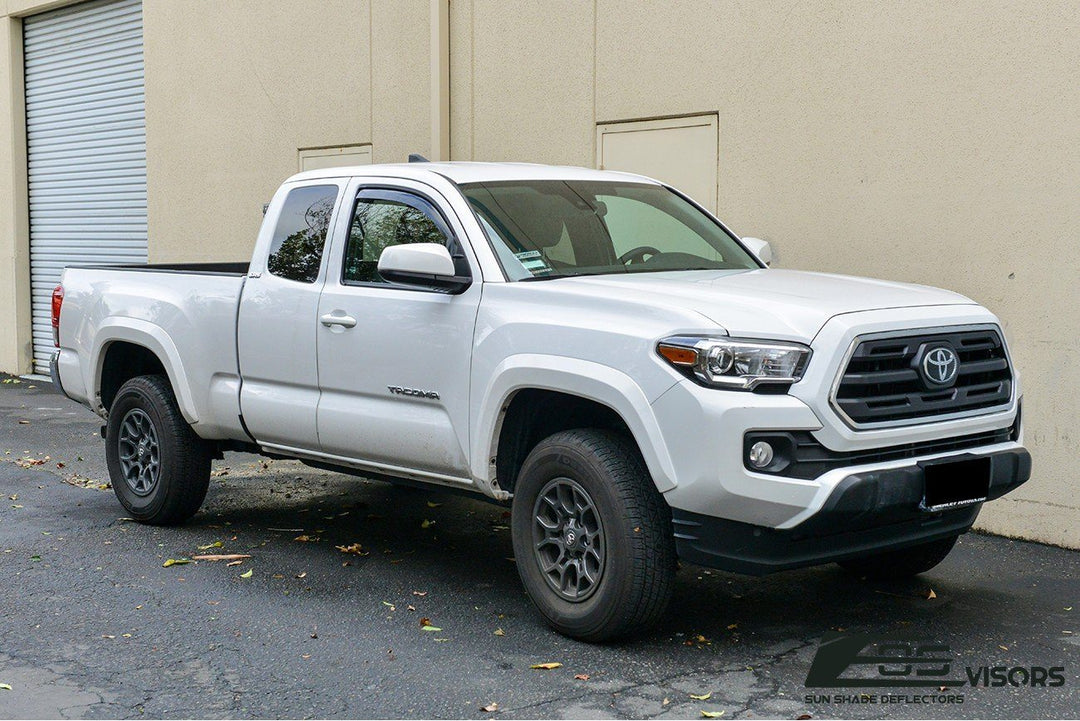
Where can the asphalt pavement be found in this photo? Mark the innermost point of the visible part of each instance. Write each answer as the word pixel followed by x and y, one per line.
pixel 93 625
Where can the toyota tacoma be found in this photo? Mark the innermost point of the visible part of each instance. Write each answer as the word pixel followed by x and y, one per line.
pixel 592 348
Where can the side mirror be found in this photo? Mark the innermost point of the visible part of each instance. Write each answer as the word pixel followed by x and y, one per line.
pixel 760 248
pixel 427 265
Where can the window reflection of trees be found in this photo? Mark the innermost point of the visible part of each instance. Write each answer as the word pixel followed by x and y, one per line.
pixel 378 224
pixel 299 255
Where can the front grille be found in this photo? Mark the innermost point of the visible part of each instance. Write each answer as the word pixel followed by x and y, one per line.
pixel 883 381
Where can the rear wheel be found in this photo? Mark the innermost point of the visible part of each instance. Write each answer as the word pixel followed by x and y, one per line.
pixel 159 467
pixel 903 562
pixel 592 536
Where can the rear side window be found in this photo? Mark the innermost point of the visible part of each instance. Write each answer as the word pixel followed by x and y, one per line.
pixel 297 248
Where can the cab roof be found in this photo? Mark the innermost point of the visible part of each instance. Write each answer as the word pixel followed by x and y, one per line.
pixel 471 172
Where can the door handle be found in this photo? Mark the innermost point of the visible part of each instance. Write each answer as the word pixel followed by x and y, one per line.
pixel 345 321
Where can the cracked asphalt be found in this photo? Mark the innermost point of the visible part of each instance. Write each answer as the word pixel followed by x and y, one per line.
pixel 93 626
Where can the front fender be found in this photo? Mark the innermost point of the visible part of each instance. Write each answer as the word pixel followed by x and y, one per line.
pixel 153 338
pixel 586 379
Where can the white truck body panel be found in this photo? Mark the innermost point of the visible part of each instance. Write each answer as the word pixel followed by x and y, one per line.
pixel 259 346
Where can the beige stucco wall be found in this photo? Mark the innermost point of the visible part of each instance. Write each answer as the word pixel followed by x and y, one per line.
pixel 926 142
pixel 15 344
pixel 919 141
pixel 234 89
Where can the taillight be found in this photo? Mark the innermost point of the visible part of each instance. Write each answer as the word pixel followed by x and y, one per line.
pixel 57 301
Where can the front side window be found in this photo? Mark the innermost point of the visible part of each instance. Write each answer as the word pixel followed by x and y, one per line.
pixel 556 228
pixel 384 218
pixel 297 247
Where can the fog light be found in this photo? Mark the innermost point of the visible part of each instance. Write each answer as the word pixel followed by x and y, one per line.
pixel 761 454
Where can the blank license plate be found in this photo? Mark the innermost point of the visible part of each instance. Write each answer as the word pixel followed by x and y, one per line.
pixel 951 484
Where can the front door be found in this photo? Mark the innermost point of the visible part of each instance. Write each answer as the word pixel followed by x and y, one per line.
pixel 394 361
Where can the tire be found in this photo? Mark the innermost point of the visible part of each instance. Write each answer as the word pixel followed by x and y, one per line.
pixel 901 563
pixel 631 559
pixel 160 470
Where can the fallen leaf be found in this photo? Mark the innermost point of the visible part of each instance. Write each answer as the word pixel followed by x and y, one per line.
pixel 391 606
pixel 175 562
pixel 7 687
pixel 1067 608
pixel 665 702
pixel 427 524
pixel 702 697
pixel 931 595
pixel 1003 648
pixel 248 573
pixel 432 504
pixel 712 714
pixel 221 557
pixel 234 563
pixel 420 593
pixel 430 628
pixel 500 632
pixel 302 575
pixel 356 549
pixel 24 423
pixel 581 677
pixel 546 666
pixel 490 708
pixel 732 627
pixel 215 544
pixel 803 717
pixel 307 539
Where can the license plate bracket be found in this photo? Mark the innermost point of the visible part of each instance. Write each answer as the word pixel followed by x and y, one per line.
pixel 955 482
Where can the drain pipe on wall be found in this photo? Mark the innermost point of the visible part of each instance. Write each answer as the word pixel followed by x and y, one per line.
pixel 440 80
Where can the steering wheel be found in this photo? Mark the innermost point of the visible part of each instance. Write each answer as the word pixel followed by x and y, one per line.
pixel 637 254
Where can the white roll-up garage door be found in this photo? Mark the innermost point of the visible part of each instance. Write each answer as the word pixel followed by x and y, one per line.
pixel 86 145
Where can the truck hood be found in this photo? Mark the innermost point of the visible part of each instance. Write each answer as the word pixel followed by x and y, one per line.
pixel 781 304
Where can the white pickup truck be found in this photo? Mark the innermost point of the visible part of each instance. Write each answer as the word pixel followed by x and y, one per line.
pixel 592 348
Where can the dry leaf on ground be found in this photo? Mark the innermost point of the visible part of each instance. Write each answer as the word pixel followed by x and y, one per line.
pixel 356 549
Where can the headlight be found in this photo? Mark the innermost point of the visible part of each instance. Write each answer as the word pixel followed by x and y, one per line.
pixel 738 364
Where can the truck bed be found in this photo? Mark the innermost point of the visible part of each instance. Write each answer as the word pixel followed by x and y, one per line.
pixel 184 312
pixel 237 268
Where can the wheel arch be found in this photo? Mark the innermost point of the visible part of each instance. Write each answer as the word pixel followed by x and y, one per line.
pixel 126 348
pixel 582 393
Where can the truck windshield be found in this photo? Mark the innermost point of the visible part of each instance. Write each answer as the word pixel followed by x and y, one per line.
pixel 558 228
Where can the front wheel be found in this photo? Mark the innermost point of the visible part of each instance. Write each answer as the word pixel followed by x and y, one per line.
pixel 902 563
pixel 160 470
pixel 592 536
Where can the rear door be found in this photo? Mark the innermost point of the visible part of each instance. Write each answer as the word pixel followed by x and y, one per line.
pixel 278 317
pixel 394 361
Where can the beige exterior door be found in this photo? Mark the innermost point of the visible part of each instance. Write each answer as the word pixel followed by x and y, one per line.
pixel 318 158
pixel 682 152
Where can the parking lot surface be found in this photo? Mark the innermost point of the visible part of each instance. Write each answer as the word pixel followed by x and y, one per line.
pixel 93 625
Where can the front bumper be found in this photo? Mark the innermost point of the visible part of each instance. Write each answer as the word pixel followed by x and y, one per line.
pixel 867 512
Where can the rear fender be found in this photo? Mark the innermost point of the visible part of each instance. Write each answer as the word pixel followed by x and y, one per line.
pixel 154 339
